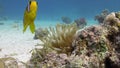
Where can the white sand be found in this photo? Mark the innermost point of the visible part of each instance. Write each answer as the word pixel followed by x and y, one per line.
pixel 15 43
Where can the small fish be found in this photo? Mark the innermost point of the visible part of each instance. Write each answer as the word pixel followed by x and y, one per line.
pixel 30 15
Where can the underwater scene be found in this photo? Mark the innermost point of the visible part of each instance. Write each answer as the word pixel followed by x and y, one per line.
pixel 59 34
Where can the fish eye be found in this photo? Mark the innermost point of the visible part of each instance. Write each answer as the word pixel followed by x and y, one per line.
pixel 30 2
pixel 37 3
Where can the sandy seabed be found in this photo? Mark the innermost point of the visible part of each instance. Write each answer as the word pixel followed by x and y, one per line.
pixel 14 43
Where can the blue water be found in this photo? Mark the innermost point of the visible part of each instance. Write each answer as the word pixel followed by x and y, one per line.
pixel 52 10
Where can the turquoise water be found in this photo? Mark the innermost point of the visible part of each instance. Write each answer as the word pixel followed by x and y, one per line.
pixel 9 24
pixel 50 11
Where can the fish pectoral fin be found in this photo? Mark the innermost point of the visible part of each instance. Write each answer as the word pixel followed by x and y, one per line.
pixel 32 27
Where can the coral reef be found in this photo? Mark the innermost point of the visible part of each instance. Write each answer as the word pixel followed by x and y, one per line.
pixel 93 47
pixel 66 19
pixel 110 64
pixel 100 18
pixel 90 39
pixel 118 15
pixel 112 22
pixel 81 22
pixel 40 33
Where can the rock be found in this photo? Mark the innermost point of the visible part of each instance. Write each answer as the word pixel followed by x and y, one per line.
pixel 109 20
pixel 0 49
pixel 1 23
pixel 89 38
pixel 100 18
pixel 8 62
pixel 81 22
pixel 66 20
pixel 112 23
pixel 118 15
pixel 22 65
pixel 40 33
pixel 111 64
pixel 11 64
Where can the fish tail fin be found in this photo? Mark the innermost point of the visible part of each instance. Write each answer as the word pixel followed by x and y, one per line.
pixel 32 27
pixel 25 27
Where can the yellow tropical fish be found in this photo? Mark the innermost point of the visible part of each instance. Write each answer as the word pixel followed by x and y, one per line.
pixel 30 15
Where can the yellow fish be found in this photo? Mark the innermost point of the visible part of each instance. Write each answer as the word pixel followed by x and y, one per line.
pixel 30 15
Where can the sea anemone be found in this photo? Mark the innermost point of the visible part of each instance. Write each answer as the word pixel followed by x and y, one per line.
pixel 60 38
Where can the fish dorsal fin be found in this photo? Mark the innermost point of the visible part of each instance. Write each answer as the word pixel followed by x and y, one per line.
pixel 28 6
